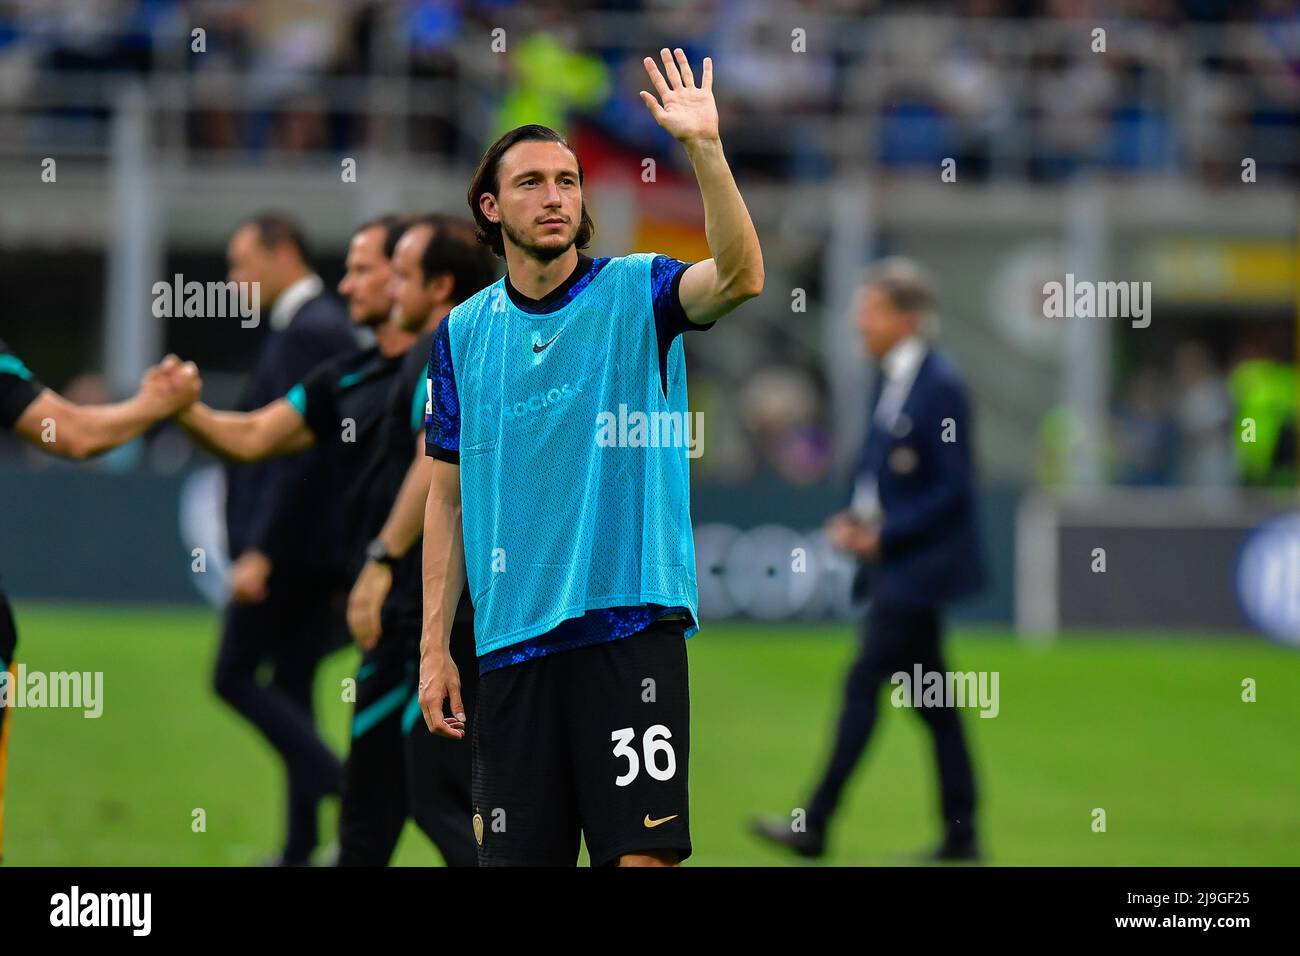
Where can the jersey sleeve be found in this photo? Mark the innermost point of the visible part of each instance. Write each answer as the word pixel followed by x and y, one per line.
pixel 442 404
pixel 419 404
pixel 18 387
pixel 670 318
pixel 315 399
pixel 411 397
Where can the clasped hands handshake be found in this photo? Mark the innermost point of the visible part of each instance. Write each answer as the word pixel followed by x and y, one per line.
pixel 170 387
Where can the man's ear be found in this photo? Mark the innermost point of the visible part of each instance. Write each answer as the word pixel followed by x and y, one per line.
pixel 441 286
pixel 285 255
pixel 488 204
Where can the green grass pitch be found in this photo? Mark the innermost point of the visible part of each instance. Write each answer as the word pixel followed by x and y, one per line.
pixel 1150 729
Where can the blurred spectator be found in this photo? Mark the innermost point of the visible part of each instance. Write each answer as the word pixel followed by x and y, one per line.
pixel 1144 432
pixel 772 91
pixel 1264 393
pixel 1204 415
pixel 1169 90
pixel 780 410
pixel 548 80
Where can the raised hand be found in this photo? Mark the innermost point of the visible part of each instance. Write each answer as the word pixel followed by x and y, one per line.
pixel 688 112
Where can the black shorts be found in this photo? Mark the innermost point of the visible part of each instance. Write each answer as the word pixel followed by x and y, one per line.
pixel 592 741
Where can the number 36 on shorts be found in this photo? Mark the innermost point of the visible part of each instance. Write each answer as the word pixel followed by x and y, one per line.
pixel 659 758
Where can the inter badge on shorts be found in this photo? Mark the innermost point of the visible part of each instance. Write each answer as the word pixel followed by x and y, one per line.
pixel 478 827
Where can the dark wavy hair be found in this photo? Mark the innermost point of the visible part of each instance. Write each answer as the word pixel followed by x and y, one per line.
pixel 487 179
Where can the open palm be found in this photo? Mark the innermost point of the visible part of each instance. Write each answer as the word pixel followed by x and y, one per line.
pixel 688 112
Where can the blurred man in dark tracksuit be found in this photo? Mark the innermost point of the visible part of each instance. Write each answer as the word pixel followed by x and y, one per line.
pixel 287 586
pixel 911 525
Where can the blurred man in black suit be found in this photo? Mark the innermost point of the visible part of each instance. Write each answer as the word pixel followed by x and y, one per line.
pixel 287 586
pixel 911 525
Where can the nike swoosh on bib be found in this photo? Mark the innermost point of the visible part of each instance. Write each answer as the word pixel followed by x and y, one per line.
pixel 543 347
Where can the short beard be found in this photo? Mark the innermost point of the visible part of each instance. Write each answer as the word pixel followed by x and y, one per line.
pixel 410 323
pixel 374 320
pixel 540 253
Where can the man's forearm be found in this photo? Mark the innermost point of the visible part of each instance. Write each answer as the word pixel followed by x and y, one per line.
pixel 733 241
pixel 247 436
pixel 227 434
pixel 110 426
pixel 406 519
pixel 84 431
pixel 444 571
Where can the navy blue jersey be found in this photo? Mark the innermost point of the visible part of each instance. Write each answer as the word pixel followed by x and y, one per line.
pixel 401 429
pixel 343 402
